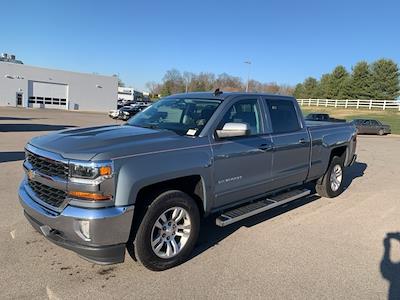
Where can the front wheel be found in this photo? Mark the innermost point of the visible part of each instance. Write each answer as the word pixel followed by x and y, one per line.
pixel 330 185
pixel 168 231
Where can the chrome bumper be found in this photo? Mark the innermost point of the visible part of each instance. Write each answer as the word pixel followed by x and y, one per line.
pixel 109 228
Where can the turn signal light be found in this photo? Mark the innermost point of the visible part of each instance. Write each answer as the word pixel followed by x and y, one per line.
pixel 105 170
pixel 89 196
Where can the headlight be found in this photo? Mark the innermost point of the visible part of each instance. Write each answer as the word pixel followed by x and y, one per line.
pixel 90 172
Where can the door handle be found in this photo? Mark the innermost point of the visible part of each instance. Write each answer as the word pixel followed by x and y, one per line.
pixel 302 141
pixel 265 147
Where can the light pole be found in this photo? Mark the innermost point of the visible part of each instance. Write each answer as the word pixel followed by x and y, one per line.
pixel 248 74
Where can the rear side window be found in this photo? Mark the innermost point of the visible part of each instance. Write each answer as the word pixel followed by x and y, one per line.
pixel 283 116
pixel 374 123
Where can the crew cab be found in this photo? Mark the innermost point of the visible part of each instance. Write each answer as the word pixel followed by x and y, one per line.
pixel 146 184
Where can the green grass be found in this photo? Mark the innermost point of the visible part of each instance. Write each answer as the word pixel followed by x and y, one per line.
pixel 391 118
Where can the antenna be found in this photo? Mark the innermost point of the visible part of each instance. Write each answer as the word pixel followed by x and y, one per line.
pixel 217 92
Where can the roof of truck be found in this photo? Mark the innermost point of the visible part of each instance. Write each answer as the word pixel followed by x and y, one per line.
pixel 225 95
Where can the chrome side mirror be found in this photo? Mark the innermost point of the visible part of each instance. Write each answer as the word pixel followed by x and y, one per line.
pixel 234 130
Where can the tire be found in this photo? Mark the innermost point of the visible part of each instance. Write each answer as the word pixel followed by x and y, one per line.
pixel 381 132
pixel 325 186
pixel 153 228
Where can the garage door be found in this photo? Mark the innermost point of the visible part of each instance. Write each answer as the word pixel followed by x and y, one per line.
pixel 48 95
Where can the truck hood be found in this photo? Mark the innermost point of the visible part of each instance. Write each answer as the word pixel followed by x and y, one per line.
pixel 106 142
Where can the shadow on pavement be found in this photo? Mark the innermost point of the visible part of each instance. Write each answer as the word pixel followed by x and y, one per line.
pixel 11 156
pixel 354 171
pixel 31 127
pixel 18 119
pixel 391 270
pixel 211 234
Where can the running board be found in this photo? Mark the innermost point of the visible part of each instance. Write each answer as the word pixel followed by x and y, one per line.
pixel 260 206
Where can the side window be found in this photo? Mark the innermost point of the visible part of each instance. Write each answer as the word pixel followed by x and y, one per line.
pixel 283 116
pixel 374 123
pixel 244 111
pixel 367 123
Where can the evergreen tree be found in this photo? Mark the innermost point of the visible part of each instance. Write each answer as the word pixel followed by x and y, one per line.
pixel 385 79
pixel 339 83
pixel 299 91
pixel 310 86
pixel 325 87
pixel 361 81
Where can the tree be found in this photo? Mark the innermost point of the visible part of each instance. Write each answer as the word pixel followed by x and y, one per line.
pixel 339 83
pixel 299 91
pixel 361 81
pixel 173 83
pixel 285 89
pixel 121 83
pixel 385 79
pixel 202 82
pixel 270 87
pixel 230 83
pixel 325 90
pixel 153 87
pixel 310 86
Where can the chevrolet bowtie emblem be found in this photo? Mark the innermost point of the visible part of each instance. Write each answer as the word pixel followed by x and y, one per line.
pixel 31 174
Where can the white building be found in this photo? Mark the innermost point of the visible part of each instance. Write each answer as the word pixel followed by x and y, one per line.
pixel 125 93
pixel 29 86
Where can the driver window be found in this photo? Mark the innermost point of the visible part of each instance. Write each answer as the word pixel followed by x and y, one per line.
pixel 367 123
pixel 244 111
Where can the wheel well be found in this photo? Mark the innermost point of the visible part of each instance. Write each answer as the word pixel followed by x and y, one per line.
pixel 191 185
pixel 340 152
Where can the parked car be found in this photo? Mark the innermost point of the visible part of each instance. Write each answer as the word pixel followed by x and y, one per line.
pixel 126 112
pixel 145 185
pixel 322 117
pixel 368 126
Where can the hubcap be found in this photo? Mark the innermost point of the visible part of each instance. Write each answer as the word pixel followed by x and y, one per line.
pixel 170 232
pixel 336 177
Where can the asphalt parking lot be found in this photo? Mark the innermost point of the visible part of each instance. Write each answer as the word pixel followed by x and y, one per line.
pixel 314 248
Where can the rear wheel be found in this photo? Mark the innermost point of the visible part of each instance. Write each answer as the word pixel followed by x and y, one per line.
pixel 168 231
pixel 331 184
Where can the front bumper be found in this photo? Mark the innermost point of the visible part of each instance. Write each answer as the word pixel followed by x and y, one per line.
pixel 109 228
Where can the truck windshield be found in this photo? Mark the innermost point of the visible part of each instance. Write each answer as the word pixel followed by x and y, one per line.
pixel 183 116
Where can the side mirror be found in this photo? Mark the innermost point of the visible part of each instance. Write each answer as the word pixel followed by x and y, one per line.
pixel 234 130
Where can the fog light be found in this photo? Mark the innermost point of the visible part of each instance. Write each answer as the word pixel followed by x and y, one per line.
pixel 84 228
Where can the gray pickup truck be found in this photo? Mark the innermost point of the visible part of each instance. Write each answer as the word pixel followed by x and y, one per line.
pixel 146 184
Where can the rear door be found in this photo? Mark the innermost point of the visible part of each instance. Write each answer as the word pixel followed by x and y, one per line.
pixel 375 126
pixel 291 143
pixel 242 165
pixel 366 127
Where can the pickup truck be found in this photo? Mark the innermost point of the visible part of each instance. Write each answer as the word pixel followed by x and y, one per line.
pixel 322 117
pixel 145 185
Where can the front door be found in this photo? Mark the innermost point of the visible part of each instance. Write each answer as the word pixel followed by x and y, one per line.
pixel 291 144
pixel 19 99
pixel 242 165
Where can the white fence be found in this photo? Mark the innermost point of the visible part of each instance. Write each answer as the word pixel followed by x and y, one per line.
pixel 366 104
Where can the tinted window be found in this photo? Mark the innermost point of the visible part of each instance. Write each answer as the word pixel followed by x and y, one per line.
pixel 283 116
pixel 374 123
pixel 244 111
pixel 367 123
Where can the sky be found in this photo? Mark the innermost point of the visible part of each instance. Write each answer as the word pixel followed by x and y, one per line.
pixel 286 41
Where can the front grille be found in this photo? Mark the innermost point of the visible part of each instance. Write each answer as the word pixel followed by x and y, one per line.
pixel 47 166
pixel 51 196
